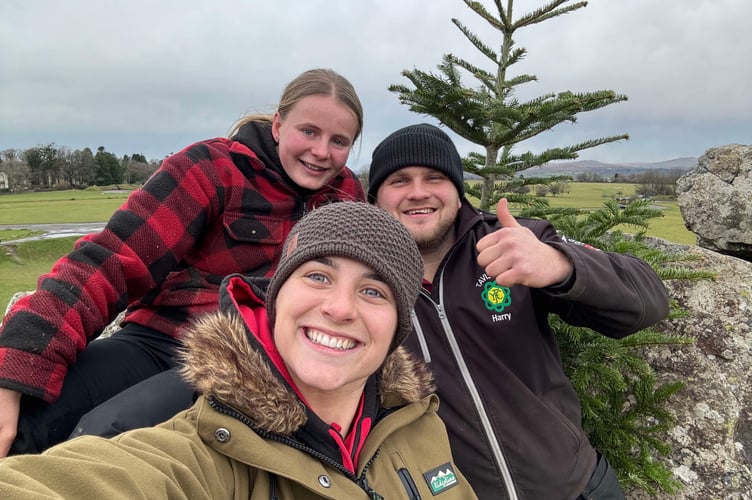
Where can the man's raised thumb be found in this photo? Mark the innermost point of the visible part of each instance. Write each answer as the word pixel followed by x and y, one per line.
pixel 504 216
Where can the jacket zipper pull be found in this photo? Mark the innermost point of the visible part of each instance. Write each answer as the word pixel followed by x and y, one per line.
pixel 363 483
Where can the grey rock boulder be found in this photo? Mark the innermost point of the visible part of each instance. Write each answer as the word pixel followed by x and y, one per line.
pixel 715 199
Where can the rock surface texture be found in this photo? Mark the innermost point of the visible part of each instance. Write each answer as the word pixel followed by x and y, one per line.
pixel 715 199
pixel 712 439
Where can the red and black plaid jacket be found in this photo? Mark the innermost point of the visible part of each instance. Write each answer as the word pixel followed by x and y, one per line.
pixel 211 210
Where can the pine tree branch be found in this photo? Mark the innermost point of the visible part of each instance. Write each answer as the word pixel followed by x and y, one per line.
pixel 546 12
pixel 477 42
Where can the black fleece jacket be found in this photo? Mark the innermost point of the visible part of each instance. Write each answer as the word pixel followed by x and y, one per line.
pixel 513 417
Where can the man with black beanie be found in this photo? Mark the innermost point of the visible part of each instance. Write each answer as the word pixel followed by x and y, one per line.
pixel 481 322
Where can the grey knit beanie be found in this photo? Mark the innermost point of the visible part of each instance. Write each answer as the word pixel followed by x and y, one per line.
pixel 361 232
pixel 422 145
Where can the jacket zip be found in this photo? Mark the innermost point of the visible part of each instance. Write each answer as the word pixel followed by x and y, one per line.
pixel 360 481
pixel 498 455
pixel 409 484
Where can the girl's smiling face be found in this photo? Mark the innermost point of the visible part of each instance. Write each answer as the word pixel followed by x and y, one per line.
pixel 314 139
pixel 335 321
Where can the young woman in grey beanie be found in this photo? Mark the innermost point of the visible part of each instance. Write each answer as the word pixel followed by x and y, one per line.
pixel 310 396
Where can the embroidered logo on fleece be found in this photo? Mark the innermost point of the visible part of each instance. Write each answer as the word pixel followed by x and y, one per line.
pixel 441 478
pixel 496 297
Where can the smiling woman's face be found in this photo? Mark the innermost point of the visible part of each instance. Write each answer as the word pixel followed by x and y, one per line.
pixel 335 321
pixel 314 139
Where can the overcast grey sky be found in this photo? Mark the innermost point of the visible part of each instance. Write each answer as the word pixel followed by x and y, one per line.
pixel 152 77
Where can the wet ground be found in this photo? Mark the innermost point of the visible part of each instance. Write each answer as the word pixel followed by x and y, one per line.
pixel 50 231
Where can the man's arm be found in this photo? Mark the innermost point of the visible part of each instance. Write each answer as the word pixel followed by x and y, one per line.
pixel 614 294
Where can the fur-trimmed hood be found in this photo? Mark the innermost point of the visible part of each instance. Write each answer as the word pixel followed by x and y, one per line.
pixel 222 358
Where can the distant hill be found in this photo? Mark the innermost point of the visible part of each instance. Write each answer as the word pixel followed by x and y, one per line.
pixel 572 168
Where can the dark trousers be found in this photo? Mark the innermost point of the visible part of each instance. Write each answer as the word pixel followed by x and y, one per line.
pixel 603 484
pixel 147 403
pixel 103 369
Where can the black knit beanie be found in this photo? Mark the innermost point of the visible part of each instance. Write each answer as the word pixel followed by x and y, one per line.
pixel 420 145
pixel 361 232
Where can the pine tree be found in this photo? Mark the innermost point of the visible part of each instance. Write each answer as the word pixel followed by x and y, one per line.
pixel 624 408
pixel 490 115
pixel 108 168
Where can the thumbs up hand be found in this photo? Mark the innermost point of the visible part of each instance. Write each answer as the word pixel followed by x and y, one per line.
pixel 513 255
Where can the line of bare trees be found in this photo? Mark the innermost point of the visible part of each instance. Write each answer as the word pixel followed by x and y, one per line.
pixel 51 167
pixel 653 182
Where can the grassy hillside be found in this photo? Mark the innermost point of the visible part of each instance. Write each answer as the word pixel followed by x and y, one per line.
pixel 586 195
pixel 21 265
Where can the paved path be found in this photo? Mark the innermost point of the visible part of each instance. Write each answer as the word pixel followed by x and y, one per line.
pixel 54 230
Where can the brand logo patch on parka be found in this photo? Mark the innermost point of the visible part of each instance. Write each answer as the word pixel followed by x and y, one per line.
pixel 441 478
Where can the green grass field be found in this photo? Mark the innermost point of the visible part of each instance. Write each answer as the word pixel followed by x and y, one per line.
pixel 21 267
pixel 592 195
pixel 59 206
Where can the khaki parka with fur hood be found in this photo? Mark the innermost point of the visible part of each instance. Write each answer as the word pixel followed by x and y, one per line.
pixel 249 436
